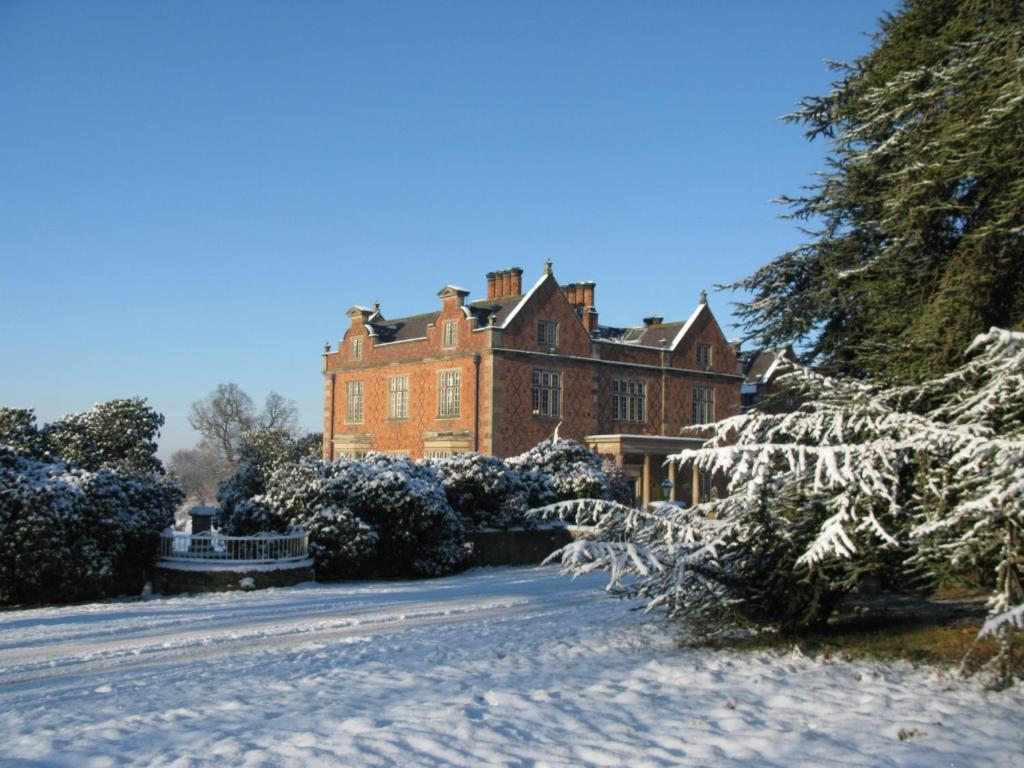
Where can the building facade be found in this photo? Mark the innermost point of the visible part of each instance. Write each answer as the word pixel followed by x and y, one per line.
pixel 761 369
pixel 499 374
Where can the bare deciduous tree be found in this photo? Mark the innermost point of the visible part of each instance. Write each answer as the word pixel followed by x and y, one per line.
pixel 227 413
pixel 279 413
pixel 199 470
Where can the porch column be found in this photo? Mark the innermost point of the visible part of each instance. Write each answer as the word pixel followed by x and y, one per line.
pixel 647 479
pixel 672 479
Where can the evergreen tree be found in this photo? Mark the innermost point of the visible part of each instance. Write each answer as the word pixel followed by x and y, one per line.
pixel 917 224
pixel 911 483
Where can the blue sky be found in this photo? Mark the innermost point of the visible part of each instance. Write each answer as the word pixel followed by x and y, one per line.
pixel 194 192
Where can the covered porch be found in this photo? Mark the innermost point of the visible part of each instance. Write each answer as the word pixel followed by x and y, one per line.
pixel 642 460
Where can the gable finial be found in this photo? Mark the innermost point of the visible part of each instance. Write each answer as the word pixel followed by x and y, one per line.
pixel 547 266
pixel 703 297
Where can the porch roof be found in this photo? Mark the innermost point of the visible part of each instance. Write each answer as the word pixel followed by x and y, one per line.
pixel 652 445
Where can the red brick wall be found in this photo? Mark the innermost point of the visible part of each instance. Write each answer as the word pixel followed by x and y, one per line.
pixel 421 361
pixel 507 424
pixel 516 428
pixel 548 303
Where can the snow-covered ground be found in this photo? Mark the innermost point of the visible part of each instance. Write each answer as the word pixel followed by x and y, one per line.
pixel 492 667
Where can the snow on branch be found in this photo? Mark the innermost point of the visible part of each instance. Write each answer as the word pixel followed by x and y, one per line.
pixel 860 477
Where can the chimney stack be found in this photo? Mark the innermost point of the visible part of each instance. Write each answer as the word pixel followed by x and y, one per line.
pixel 516 276
pixel 505 282
pixel 570 293
pixel 587 291
pixel 590 319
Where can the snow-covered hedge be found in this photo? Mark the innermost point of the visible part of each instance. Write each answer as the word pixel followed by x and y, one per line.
pixel 386 515
pixel 559 470
pixel 259 453
pixel 82 502
pixel 484 491
pixel 380 516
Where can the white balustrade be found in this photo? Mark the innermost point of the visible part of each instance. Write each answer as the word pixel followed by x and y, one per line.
pixel 215 547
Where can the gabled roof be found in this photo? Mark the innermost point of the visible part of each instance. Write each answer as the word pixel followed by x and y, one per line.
pixel 527 296
pixel 401 328
pixel 501 308
pixel 759 367
pixel 652 335
pixel 452 290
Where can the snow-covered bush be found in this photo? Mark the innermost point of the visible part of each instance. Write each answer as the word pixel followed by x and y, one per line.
pixel 82 502
pixel 382 516
pixel 119 435
pixel 558 470
pixel 305 495
pixel 388 515
pixel 240 513
pixel 916 482
pixel 19 431
pixel 341 544
pixel 260 452
pixel 420 534
pixel 70 534
pixel 620 488
pixel 484 491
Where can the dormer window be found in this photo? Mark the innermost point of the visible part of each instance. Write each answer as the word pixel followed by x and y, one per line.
pixel 547 333
pixel 357 348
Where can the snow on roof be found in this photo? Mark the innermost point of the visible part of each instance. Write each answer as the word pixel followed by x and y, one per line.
pixel 687 325
pixel 526 298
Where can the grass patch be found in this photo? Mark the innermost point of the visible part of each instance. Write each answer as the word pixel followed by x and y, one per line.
pixel 888 641
pixel 942 639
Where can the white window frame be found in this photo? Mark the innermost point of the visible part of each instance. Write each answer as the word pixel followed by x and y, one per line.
pixel 546 393
pixel 355 402
pixel 444 453
pixel 451 334
pixel 449 393
pixel 398 397
pixel 351 455
pixel 629 401
pixel 357 348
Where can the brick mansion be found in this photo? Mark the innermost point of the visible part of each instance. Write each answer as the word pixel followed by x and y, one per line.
pixel 498 374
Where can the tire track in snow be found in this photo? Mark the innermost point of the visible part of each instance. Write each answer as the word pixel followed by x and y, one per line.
pixel 128 658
